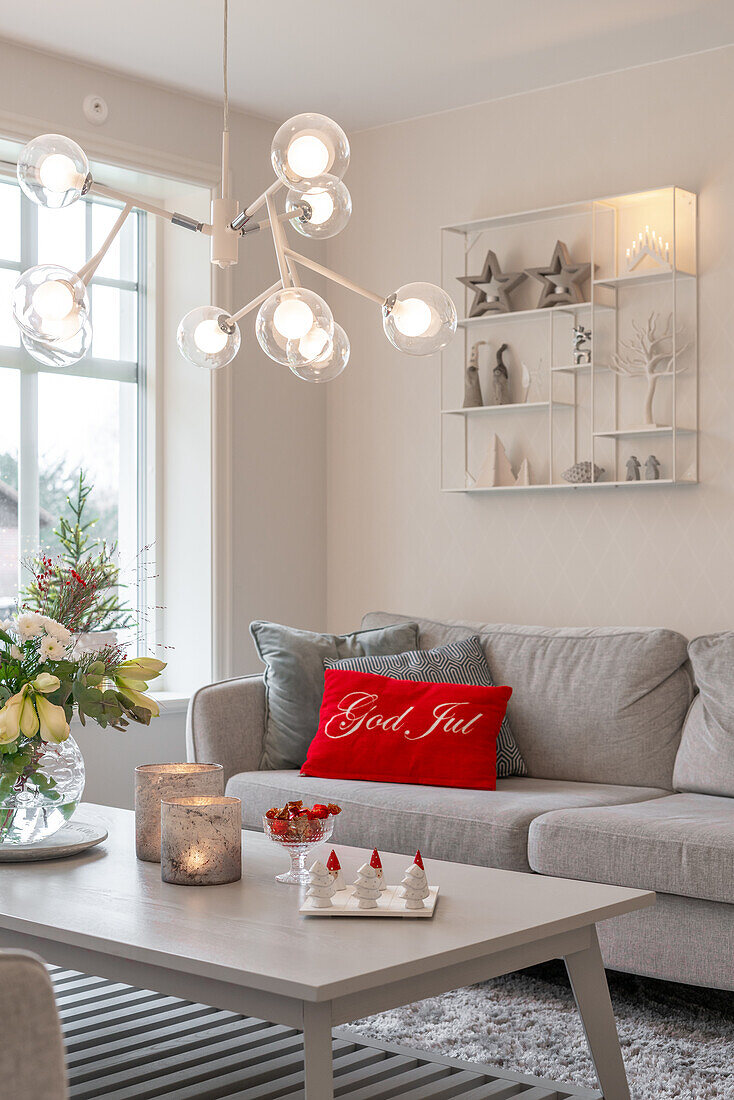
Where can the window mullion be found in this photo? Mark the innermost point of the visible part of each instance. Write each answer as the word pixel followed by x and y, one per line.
pixel 28 486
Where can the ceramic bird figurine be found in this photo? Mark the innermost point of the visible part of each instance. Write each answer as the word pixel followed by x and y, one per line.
pixel 472 390
pixel 501 379
pixel 652 469
pixel 633 468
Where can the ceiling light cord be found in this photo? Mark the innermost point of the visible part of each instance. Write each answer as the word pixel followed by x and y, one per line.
pixel 224 65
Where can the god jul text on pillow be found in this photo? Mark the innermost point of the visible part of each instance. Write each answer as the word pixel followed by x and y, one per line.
pixel 358 710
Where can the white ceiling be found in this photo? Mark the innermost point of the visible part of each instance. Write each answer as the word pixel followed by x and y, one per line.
pixel 370 62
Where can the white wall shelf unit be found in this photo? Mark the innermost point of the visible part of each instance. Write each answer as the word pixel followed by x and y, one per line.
pixel 643 283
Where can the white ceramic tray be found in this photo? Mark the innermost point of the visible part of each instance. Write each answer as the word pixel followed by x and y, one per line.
pixel 389 904
pixel 82 832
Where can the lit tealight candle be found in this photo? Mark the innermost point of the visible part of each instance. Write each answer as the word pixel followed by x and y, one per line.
pixel 154 782
pixel 201 840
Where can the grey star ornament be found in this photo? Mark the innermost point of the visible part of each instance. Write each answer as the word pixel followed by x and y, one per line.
pixel 562 279
pixel 492 287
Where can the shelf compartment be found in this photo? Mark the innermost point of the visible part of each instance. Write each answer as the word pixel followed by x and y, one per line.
pixel 524 314
pixel 569 485
pixel 644 279
pixel 631 433
pixel 513 406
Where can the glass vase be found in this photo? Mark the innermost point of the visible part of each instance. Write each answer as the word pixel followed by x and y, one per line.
pixel 41 785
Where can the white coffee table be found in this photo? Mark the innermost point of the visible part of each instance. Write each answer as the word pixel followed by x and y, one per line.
pixel 245 947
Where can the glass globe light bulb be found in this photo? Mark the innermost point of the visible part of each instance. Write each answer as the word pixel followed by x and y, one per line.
pixel 207 337
pixel 49 302
pixel 292 317
pixel 53 170
pixel 307 156
pixel 412 317
pixel 330 363
pixel 62 352
pixel 314 343
pixel 57 172
pixel 327 204
pixel 419 318
pixel 53 300
pixel 307 146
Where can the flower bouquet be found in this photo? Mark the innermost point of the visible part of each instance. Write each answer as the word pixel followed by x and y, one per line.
pixel 46 677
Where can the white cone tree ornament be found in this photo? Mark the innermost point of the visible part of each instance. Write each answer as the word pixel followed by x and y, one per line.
pixel 414 887
pixel 367 887
pixel 334 867
pixel 321 888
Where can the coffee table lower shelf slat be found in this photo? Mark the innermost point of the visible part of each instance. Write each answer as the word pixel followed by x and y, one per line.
pixel 129 1044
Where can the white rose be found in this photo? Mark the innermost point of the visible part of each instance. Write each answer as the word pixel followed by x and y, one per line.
pixel 52 649
pixel 29 625
pixel 56 630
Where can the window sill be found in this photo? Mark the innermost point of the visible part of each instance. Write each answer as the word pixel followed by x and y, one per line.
pixel 170 702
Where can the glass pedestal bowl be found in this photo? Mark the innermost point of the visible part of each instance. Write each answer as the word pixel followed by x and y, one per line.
pixel 298 837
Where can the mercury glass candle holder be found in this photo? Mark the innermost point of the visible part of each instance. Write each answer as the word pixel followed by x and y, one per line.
pixel 201 840
pixel 153 782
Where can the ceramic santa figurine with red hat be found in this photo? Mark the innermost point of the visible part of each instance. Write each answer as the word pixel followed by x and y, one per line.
pixel 335 868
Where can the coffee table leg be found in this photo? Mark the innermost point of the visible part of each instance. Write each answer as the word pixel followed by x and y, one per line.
pixel 589 984
pixel 317 1051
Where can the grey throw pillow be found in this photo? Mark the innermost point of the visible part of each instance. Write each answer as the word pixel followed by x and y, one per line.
pixel 705 760
pixel 458 663
pixel 294 680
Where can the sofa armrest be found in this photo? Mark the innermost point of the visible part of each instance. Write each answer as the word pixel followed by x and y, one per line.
pixel 225 724
pixel 32 1062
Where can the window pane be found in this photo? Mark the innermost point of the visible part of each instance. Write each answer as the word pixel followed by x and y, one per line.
pixel 114 321
pixel 9 429
pixel 61 236
pixel 9 332
pixel 122 259
pixel 10 221
pixel 89 424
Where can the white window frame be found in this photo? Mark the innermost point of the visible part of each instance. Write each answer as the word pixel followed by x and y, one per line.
pixel 134 372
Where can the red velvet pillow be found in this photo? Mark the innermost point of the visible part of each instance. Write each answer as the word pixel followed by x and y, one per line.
pixel 403 731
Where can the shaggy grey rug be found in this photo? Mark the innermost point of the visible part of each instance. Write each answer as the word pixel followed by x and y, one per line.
pixel 677 1041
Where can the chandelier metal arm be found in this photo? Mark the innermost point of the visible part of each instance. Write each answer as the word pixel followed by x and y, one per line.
pixel 86 272
pixel 244 215
pixel 255 302
pixel 183 220
pixel 286 216
pixel 304 261
pixel 279 242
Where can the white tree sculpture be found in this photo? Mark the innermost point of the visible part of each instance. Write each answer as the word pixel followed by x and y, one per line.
pixel 651 355
pixel 367 887
pixel 321 886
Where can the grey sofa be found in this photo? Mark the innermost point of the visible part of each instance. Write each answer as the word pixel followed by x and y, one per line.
pixel 598 716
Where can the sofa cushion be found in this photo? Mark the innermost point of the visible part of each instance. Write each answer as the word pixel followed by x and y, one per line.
pixel 458 663
pixel 488 828
pixel 294 679
pixel 596 706
pixel 705 760
pixel 681 844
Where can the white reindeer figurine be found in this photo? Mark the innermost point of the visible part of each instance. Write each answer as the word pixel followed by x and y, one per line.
pixel 651 355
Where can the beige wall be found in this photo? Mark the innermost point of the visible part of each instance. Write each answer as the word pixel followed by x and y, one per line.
pixel 662 556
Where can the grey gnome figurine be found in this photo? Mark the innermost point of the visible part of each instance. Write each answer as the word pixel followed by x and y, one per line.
pixel 501 379
pixel 633 468
pixel 472 389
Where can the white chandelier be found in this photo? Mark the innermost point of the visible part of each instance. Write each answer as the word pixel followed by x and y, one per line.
pixel 294 326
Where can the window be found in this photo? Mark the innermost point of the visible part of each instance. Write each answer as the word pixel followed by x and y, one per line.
pixel 54 422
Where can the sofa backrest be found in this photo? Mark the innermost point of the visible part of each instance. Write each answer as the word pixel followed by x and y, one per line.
pixel 590 705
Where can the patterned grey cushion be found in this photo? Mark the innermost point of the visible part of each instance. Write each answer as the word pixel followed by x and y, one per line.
pixel 459 663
